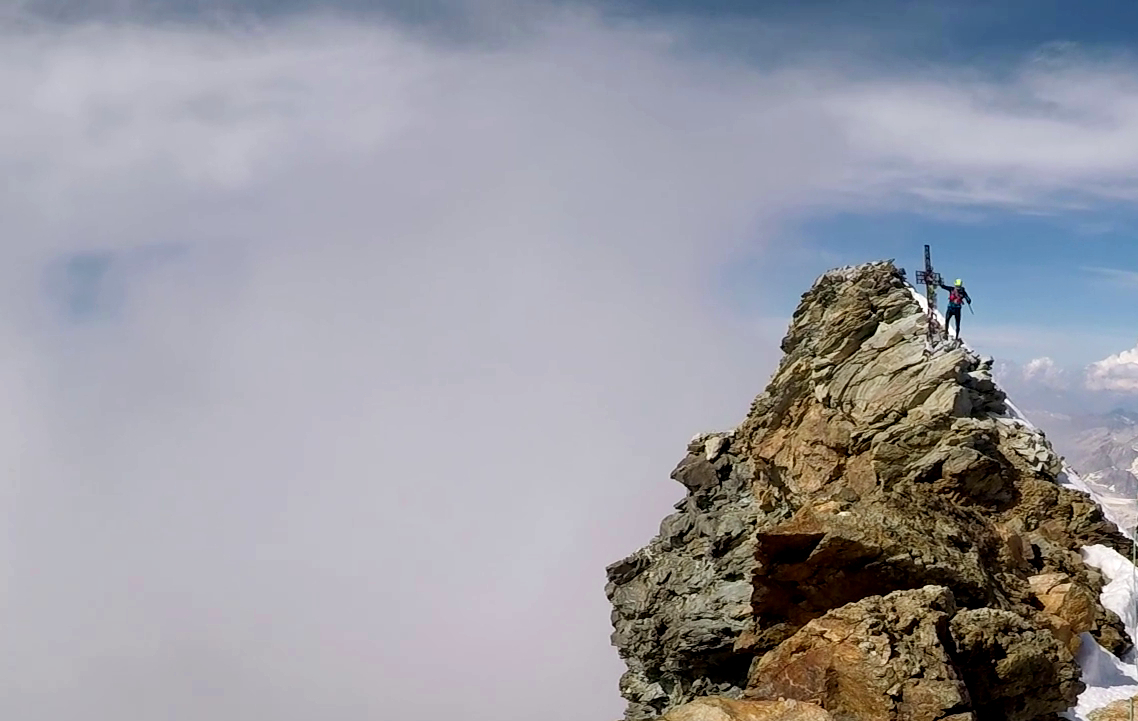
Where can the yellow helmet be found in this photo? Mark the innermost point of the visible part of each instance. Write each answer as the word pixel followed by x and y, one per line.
pixel 959 282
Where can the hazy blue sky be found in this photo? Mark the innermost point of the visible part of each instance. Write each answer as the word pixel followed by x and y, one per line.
pixel 345 344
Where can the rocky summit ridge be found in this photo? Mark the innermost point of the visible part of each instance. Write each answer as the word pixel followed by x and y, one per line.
pixel 878 539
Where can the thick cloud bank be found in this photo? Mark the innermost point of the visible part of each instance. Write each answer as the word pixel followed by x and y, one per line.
pixel 338 363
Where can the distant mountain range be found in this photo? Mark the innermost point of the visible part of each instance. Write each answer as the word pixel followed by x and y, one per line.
pixel 1103 449
pixel 1096 430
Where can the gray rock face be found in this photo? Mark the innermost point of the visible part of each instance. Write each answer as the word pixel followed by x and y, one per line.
pixel 869 465
pixel 680 603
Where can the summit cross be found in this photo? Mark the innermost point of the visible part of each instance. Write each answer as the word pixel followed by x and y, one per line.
pixel 932 281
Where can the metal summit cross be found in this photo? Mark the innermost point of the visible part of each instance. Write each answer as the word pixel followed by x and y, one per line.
pixel 932 281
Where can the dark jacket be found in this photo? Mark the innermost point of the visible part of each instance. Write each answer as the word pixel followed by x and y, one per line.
pixel 963 295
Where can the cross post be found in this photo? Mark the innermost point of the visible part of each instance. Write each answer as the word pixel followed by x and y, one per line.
pixel 932 281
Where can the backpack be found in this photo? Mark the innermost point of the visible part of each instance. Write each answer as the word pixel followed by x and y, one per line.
pixel 955 296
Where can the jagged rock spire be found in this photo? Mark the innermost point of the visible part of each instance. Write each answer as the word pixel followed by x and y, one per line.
pixel 867 468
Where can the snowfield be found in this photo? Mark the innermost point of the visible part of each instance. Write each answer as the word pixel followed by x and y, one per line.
pixel 1108 679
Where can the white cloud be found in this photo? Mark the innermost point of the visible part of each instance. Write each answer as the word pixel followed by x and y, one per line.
pixel 1066 346
pixel 1118 372
pixel 1038 367
pixel 437 329
pixel 1045 372
pixel 434 337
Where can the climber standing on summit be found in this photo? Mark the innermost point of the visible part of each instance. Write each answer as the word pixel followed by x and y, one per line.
pixel 957 296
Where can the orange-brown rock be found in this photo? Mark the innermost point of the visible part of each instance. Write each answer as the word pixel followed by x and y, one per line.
pixel 1117 711
pixel 1070 607
pixel 723 709
pixel 880 659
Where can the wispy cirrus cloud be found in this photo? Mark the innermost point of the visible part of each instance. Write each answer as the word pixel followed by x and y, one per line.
pixel 1116 276
pixel 1052 133
pixel 1097 228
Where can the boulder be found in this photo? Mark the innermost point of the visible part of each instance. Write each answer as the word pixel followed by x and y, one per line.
pixel 878 659
pixel 721 709
pixel 1014 670
pixel 1070 607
